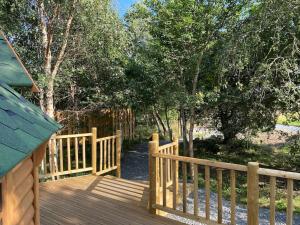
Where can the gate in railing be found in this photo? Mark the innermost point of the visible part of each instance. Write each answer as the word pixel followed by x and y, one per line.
pixel 160 160
pixel 81 153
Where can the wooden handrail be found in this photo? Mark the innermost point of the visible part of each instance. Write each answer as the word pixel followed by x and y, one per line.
pixel 166 146
pixel 203 162
pixel 279 173
pixel 106 138
pixel 72 136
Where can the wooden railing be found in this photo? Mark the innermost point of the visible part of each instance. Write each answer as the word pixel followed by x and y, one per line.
pixel 78 153
pixel 167 149
pixel 158 198
pixel 109 154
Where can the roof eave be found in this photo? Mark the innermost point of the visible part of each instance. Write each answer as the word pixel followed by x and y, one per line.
pixel 34 87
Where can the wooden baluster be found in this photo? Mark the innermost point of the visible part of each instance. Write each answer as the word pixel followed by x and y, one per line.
pixel 61 155
pixel 101 155
pixel 109 152
pixel 169 166
pixel 69 154
pixel 76 153
pixel 184 183
pixel 290 205
pixel 195 166
pixel 176 152
pixel 232 196
pixel 219 190
pixel 105 154
pixel 84 152
pixel 113 151
pixel 174 179
pixel 161 171
pixel 207 192
pixel 165 174
pixel 272 199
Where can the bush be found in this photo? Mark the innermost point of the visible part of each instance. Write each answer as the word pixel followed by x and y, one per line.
pixel 210 145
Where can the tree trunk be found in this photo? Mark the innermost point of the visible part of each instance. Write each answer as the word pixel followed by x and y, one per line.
pixel 168 125
pixel 191 133
pixel 46 23
pixel 161 122
pixel 184 131
pixel 156 122
pixel 50 99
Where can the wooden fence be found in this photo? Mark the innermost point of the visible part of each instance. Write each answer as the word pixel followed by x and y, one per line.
pixel 158 195
pixel 80 153
pixel 109 120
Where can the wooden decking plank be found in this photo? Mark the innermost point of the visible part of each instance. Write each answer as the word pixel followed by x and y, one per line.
pixel 109 213
pixel 91 199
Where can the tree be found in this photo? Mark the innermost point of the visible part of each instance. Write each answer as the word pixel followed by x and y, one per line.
pixel 58 15
pixel 259 69
pixel 184 32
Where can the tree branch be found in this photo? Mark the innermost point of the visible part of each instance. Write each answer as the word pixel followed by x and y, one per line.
pixel 65 41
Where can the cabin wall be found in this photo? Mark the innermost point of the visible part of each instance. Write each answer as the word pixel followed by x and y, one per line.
pixel 19 191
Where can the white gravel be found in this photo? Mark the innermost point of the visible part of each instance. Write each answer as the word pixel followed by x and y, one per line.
pixel 241 212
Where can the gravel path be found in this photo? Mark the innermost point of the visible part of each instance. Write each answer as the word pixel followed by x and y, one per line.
pixel 287 129
pixel 135 167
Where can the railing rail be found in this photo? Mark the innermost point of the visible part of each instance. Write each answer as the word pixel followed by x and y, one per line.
pixel 158 194
pixel 78 153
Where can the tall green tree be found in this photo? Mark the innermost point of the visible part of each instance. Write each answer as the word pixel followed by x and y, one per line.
pixel 184 32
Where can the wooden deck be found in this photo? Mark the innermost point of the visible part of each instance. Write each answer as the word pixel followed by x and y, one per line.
pixel 97 200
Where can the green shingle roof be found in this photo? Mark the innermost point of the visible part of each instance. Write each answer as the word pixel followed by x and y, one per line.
pixel 23 127
pixel 11 70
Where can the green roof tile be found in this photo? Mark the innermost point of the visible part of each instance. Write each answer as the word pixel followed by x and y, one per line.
pixel 11 70
pixel 23 127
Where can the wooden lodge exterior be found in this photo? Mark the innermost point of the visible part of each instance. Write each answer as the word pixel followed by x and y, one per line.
pixel 24 134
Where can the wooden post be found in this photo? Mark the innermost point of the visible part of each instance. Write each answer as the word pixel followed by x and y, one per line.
pixel 220 192
pixel 94 150
pixel 155 137
pixel 118 150
pixel 253 193
pixel 176 152
pixel 290 206
pixel 153 177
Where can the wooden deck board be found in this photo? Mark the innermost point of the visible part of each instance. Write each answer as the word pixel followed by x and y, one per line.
pixel 97 200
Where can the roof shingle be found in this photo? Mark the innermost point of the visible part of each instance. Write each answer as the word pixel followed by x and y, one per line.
pixel 23 127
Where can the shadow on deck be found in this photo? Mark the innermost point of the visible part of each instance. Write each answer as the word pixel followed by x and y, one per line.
pixel 97 200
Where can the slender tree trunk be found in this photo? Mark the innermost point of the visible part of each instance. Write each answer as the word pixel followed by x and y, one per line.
pixel 46 23
pixel 161 122
pixel 191 133
pixel 168 124
pixel 156 122
pixel 50 99
pixel 192 111
pixel 184 131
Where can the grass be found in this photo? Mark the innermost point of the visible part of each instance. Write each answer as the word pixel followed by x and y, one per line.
pixel 291 120
pixel 268 157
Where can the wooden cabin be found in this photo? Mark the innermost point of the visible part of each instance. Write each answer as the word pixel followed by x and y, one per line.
pixel 24 134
